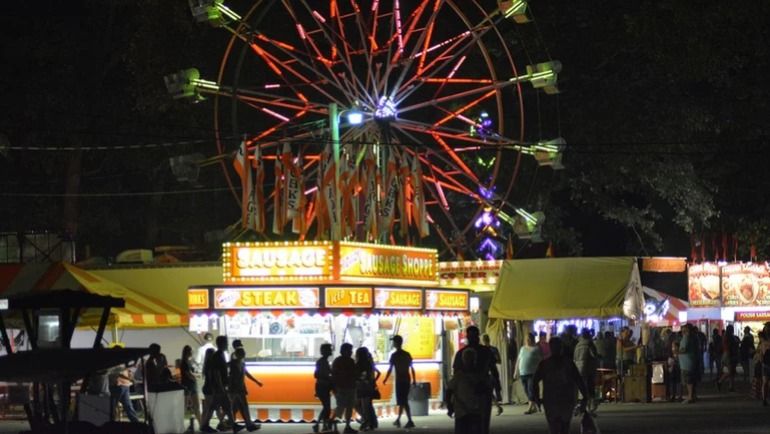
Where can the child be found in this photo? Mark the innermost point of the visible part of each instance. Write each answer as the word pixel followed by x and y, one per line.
pixel 674 374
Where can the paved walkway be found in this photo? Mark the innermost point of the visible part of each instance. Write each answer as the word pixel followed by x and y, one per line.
pixel 727 413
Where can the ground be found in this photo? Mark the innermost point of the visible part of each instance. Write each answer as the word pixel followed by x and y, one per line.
pixel 724 413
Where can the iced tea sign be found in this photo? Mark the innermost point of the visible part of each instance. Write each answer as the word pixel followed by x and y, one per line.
pixel 746 284
pixel 703 284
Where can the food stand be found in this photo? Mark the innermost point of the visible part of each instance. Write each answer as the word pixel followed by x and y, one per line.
pixel 283 300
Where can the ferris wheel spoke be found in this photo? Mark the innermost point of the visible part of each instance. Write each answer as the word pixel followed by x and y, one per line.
pixel 450 52
pixel 411 24
pixel 460 95
pixel 300 76
pixel 366 49
pixel 420 44
pixel 329 35
pixel 455 134
pixel 446 176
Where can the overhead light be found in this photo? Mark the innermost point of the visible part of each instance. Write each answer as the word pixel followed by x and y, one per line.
pixel 355 117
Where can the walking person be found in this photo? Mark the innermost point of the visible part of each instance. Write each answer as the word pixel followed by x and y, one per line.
pixel 237 387
pixel 401 362
pixel 561 382
pixel 208 393
pixel 542 342
pixel 486 368
pixel 688 354
pixel 366 386
pixel 730 356
pixel 747 352
pixel 498 360
pixel 526 365
pixel 462 399
pixel 156 369
pixel 715 353
pixel 219 378
pixel 189 381
pixel 587 362
pixel 344 379
pixel 323 388
pixel 762 357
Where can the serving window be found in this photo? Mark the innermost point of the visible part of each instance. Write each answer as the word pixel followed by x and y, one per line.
pixel 297 337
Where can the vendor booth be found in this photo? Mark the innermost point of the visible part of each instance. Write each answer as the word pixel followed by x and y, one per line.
pixel 566 289
pixel 283 300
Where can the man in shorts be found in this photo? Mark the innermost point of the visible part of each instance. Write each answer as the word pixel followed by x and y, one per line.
pixel 344 380
pixel 402 362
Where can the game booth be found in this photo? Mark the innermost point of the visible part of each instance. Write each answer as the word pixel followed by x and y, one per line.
pixel 283 300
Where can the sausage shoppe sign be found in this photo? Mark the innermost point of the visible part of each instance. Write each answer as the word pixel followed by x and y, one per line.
pixel 327 262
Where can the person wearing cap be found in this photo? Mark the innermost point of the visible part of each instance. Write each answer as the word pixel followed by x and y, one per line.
pixel 402 362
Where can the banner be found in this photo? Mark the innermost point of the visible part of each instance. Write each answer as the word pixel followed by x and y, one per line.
pixel 404 196
pixel 389 202
pixel 371 183
pixel 278 220
pixel 329 192
pixel 241 166
pixel 418 199
pixel 259 192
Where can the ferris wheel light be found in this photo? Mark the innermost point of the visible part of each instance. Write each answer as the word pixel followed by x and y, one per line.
pixel 386 108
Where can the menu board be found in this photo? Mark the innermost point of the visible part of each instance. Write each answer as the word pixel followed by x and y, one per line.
pixel 746 285
pixel 703 284
pixel 419 336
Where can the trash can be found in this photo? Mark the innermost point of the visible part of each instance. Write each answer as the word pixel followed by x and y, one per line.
pixel 419 396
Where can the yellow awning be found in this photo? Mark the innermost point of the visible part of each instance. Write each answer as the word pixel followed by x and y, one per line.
pixel 141 310
pixel 555 288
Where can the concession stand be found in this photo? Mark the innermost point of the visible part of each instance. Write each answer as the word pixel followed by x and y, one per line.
pixel 283 300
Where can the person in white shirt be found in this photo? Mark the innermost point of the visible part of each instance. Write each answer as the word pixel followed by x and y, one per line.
pixel 200 355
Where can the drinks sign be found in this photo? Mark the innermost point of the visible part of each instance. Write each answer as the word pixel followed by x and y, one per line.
pixel 266 298
pixel 197 299
pixel 348 298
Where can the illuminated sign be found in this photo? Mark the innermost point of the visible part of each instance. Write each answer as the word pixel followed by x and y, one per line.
pixel 348 298
pixel 277 262
pixel 197 299
pixel 328 262
pixel 3 304
pixel 480 276
pixel 266 298
pixel 703 284
pixel 369 261
pixel 664 265
pixel 762 316
pixel 746 284
pixel 436 299
pixel 391 298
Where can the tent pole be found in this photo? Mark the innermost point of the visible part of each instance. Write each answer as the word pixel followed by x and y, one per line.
pixel 102 325
pixel 4 335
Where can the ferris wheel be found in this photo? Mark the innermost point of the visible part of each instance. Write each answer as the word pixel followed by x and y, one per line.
pixel 417 106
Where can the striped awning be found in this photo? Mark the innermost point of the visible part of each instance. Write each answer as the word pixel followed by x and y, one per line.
pixel 141 310
pixel 675 305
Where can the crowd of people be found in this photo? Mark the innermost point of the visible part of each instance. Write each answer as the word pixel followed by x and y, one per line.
pixel 552 371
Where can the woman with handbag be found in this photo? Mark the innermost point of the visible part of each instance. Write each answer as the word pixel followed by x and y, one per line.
pixel 366 388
